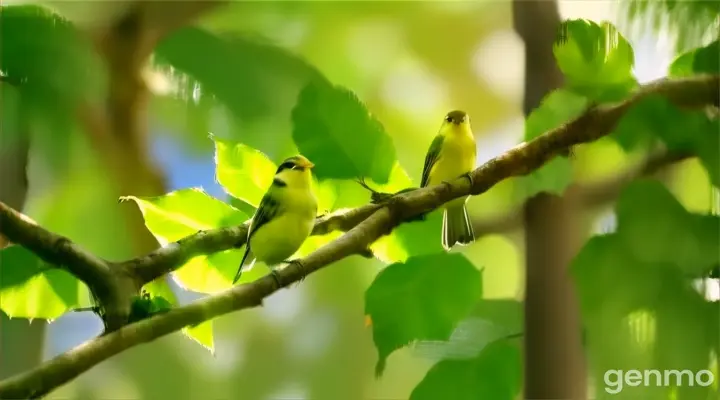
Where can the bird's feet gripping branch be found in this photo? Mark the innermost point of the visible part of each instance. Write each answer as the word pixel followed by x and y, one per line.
pixel 467 176
pixel 300 266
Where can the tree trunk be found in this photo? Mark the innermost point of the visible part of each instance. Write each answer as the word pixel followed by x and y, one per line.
pixel 554 360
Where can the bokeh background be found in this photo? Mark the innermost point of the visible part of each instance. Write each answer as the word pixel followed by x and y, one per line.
pixel 410 62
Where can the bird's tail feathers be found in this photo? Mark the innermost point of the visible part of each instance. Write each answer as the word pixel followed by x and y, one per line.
pixel 456 227
pixel 247 262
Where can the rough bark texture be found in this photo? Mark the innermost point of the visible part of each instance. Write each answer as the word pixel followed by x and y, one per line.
pixel 554 360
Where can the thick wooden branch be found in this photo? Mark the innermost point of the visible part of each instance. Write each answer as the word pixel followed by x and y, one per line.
pixel 367 223
pixel 54 249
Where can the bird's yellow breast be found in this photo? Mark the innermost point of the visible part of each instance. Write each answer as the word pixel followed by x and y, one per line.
pixel 457 157
pixel 281 237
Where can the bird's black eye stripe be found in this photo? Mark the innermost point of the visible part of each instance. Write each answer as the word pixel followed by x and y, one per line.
pixel 285 165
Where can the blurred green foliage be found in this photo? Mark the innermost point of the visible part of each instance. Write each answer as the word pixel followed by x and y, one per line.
pixel 596 60
pixel 556 109
pixel 690 23
pixel 648 266
pixel 53 70
pixel 496 373
pixel 697 61
pixel 263 101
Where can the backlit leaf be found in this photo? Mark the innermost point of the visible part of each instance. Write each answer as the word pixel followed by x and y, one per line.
pixel 31 288
pixel 596 59
pixel 244 172
pixel 181 213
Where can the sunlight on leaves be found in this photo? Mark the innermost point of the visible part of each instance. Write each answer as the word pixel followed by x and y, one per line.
pixel 596 59
pixel 421 299
pixel 244 172
pixel 31 288
pixel 332 127
pixel 183 212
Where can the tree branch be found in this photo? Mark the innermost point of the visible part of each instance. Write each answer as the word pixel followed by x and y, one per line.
pixel 595 194
pixel 372 222
pixel 53 248
pixel 598 194
pixel 174 255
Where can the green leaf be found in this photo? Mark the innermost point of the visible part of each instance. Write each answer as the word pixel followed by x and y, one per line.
pixel 494 374
pixel 54 63
pixel 256 69
pixel 687 23
pixel 55 67
pixel 333 128
pixel 596 59
pixel 681 131
pixel 507 313
pixel 181 213
pixel 556 109
pixel 31 288
pixel 492 319
pixel 640 315
pixel 605 268
pixel 420 299
pixel 657 229
pixel 553 177
pixel 201 333
pixel 703 60
pixel 244 172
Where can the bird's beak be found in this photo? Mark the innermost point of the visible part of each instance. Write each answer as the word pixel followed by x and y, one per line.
pixel 308 165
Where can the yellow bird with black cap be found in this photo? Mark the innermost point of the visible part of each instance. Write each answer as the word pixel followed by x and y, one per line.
pixel 284 218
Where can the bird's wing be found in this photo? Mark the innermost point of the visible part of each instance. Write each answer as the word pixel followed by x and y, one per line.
pixel 431 158
pixel 267 210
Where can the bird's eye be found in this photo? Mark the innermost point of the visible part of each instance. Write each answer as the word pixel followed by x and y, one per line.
pixel 286 165
pixel 448 119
